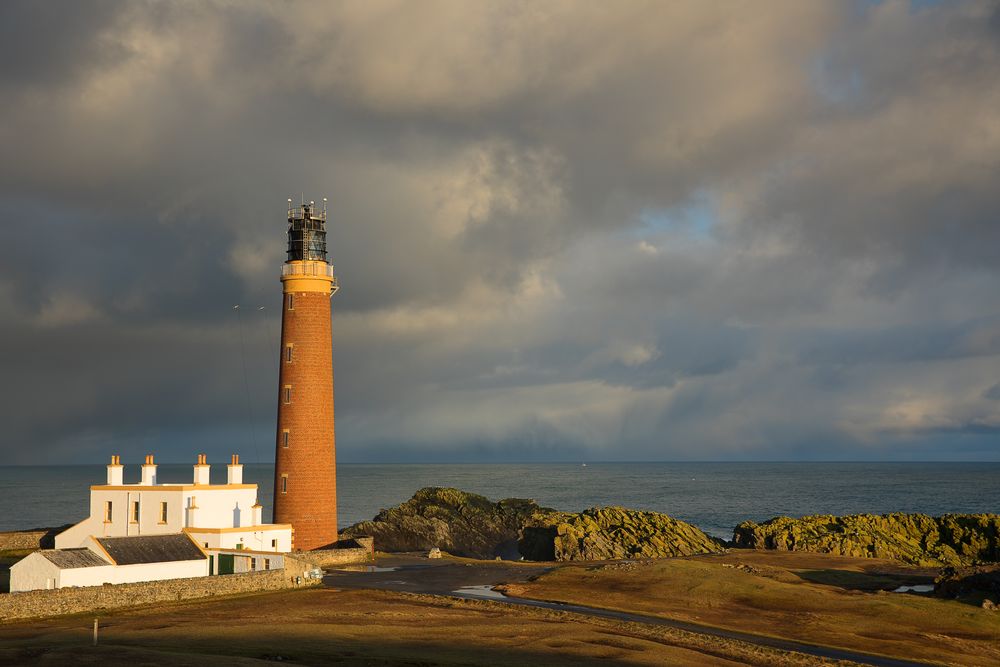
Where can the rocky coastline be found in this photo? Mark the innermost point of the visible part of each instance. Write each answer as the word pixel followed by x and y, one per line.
pixel 467 524
pixel 471 525
pixel 917 539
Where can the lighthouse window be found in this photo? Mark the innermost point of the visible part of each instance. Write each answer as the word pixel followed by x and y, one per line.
pixel 288 353
pixel 284 483
pixel 163 512
pixel 284 438
pixel 135 511
pixel 288 393
pixel 107 511
pixel 291 302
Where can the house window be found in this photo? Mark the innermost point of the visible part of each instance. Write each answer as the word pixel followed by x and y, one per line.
pixel 287 393
pixel 274 544
pixel 107 511
pixel 284 438
pixel 284 483
pixel 291 304
pixel 135 511
pixel 288 353
pixel 163 512
pixel 253 564
pixel 267 563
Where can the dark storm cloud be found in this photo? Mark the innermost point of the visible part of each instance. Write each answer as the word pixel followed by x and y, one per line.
pixel 645 230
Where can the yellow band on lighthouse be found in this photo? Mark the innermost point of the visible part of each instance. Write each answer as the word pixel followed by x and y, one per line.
pixel 308 276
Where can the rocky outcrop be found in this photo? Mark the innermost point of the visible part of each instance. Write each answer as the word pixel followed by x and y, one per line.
pixel 467 524
pixel 461 523
pixel 961 582
pixel 606 533
pixel 952 539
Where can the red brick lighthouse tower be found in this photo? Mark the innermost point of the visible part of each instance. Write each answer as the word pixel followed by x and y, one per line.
pixel 305 477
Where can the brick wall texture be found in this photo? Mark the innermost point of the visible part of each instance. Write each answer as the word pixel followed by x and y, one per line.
pixel 40 604
pixel 309 502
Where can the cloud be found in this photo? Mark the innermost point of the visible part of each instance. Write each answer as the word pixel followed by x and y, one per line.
pixel 635 231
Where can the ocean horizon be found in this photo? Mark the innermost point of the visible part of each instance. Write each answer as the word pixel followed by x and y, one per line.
pixel 711 495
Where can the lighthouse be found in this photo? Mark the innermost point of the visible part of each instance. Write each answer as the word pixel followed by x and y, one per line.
pixel 305 478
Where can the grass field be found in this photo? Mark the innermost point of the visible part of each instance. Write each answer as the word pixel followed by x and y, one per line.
pixel 817 599
pixel 326 626
pixel 833 601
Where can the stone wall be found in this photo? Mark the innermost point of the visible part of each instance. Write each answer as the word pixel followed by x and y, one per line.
pixel 39 604
pixel 345 552
pixel 41 538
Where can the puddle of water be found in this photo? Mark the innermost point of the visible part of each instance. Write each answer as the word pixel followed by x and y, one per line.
pixel 365 568
pixel 918 588
pixel 486 592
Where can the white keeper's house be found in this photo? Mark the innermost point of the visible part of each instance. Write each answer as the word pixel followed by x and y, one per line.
pixel 150 531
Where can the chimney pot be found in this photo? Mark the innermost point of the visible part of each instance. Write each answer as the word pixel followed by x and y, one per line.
pixel 235 471
pixel 202 470
pixel 114 472
pixel 148 472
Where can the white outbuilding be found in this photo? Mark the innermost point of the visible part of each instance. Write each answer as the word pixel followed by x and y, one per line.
pixel 111 560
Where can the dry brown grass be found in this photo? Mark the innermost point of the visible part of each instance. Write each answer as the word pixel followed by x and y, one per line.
pixel 813 598
pixel 324 626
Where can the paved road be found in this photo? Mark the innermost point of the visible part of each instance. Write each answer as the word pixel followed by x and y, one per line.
pixel 414 574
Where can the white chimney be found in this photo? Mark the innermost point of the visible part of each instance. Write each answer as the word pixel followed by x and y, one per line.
pixel 201 470
pixel 235 475
pixel 148 471
pixel 115 471
pixel 258 514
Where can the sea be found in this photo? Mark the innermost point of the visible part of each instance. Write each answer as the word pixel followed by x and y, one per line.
pixel 713 496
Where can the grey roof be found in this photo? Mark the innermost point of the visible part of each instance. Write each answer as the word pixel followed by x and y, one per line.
pixel 151 549
pixel 69 559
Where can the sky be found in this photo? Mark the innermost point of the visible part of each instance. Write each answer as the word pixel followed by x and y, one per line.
pixel 564 231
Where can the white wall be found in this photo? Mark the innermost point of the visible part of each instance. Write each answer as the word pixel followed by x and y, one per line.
pixel 255 540
pixel 32 572
pixel 223 507
pixel 124 574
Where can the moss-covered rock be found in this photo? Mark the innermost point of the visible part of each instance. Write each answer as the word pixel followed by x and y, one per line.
pixel 467 524
pixel 952 539
pixel 604 533
pixel 462 523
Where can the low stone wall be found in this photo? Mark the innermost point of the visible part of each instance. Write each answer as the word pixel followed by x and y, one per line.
pixel 344 552
pixel 41 538
pixel 39 604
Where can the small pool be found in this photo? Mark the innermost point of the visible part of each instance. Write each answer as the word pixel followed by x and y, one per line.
pixel 485 592
pixel 364 568
pixel 917 588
